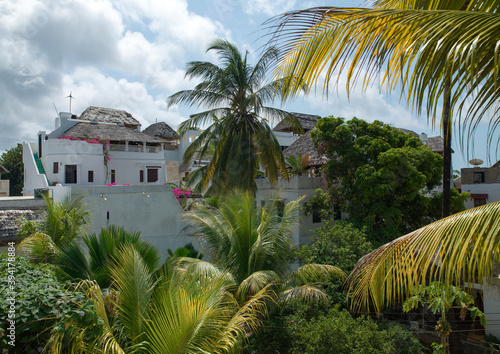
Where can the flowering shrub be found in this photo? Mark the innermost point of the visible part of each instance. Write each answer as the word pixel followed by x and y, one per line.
pixel 95 140
pixel 181 192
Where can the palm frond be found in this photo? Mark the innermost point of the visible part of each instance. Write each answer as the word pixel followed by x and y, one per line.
pixel 307 293
pixel 389 47
pixel 314 273
pixel 39 248
pixel 134 284
pixel 453 250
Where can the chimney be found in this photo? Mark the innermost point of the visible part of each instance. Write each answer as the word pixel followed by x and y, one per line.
pixel 423 137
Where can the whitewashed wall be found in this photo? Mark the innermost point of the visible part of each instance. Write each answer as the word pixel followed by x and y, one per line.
pixel 492 189
pixel 32 179
pixel 153 210
pixel 291 190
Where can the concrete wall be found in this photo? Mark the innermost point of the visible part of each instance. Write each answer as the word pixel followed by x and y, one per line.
pixel 491 302
pixel 286 139
pixel 291 190
pixel 492 189
pixel 4 187
pixel 32 179
pixel 87 157
pixel 153 210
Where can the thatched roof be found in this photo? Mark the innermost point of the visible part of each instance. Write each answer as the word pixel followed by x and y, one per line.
pixel 3 170
pixel 436 143
pixel 307 121
pixel 304 145
pixel 110 132
pixel 109 115
pixel 161 130
pixel 407 131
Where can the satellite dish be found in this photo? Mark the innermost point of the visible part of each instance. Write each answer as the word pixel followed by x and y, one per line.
pixel 476 162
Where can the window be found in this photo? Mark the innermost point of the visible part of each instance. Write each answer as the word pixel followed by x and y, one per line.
pixel 91 176
pixel 141 176
pixel 56 167
pixel 479 202
pixel 113 176
pixel 478 177
pixel 71 174
pixel 152 175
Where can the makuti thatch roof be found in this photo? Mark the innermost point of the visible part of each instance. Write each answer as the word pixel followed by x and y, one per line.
pixel 109 115
pixel 304 145
pixel 110 132
pixel 3 170
pixel 307 121
pixel 161 130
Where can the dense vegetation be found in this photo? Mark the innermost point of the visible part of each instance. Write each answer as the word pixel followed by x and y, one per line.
pixel 12 160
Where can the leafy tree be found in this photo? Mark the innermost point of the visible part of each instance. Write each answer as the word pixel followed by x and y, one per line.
pixel 336 243
pixel 173 313
pixel 253 245
pixel 378 174
pixel 331 331
pixel 12 160
pixel 451 62
pixel 235 93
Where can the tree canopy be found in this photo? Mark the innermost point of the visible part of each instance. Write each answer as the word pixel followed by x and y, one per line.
pixel 379 174
pixel 12 160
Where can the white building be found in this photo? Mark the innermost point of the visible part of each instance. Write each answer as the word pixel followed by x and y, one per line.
pixel 72 154
pixel 483 184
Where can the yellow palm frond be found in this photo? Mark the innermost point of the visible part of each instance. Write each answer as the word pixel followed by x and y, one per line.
pixel 416 51
pixel 457 249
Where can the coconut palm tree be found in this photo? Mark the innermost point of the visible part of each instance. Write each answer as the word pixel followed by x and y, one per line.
pixel 174 313
pixel 453 250
pixel 253 246
pixel 238 138
pixel 433 51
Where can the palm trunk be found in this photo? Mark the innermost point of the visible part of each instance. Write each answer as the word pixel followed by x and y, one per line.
pixel 446 122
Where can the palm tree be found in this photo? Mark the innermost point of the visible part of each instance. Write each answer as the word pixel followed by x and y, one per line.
pixel 453 250
pixel 61 224
pixel 101 254
pixel 174 313
pixel 253 246
pixel 238 138
pixel 428 49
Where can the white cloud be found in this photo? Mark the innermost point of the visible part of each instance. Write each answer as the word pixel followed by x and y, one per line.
pixel 266 7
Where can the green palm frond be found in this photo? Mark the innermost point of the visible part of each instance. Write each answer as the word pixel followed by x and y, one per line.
pixel 307 293
pixel 254 283
pixel 453 250
pixel 418 51
pixel 73 262
pixel 313 273
pixel 39 248
pixel 134 284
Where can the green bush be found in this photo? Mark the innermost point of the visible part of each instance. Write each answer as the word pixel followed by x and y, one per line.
pixel 332 331
pixel 40 300
pixel 335 243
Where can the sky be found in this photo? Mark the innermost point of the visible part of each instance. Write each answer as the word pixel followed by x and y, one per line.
pixel 132 55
